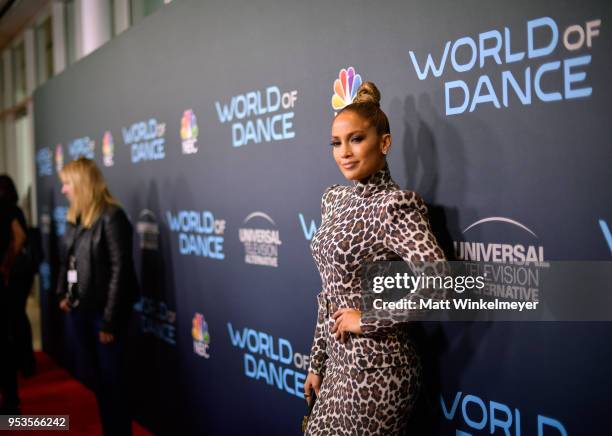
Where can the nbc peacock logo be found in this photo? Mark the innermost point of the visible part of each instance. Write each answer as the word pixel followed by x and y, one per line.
pixel 189 132
pixel 200 335
pixel 59 158
pixel 108 149
pixel 345 88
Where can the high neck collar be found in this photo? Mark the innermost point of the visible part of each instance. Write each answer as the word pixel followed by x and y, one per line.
pixel 377 181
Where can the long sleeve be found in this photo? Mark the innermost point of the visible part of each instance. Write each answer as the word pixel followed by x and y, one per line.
pixel 16 243
pixel 118 234
pixel 409 235
pixel 66 242
pixel 60 290
pixel 318 352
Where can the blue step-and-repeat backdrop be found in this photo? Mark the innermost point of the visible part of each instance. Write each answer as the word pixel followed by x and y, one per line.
pixel 211 123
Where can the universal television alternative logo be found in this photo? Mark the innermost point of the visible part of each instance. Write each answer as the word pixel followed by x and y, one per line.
pixel 45 222
pixel 345 88
pixel 148 229
pixel 200 335
pixel 260 244
pixel 513 268
pixel 189 132
pixel 108 149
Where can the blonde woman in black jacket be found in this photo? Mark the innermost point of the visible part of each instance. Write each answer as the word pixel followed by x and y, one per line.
pixel 97 287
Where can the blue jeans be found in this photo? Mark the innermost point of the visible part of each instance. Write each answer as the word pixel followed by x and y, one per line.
pixel 102 366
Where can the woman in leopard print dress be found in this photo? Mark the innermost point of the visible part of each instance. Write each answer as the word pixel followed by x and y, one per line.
pixel 364 370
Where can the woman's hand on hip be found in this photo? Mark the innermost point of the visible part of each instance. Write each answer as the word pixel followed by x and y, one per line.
pixel 313 381
pixel 346 321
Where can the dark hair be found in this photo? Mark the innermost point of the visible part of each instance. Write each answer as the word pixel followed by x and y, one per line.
pixel 367 105
pixel 8 192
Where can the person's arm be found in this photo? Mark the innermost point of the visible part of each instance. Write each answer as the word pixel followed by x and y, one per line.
pixel 318 353
pixel 18 238
pixel 408 234
pixel 118 235
pixel 61 288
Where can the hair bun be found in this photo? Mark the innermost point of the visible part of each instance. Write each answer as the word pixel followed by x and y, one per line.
pixel 367 93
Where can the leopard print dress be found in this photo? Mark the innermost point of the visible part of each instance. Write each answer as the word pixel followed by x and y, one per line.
pixel 370 382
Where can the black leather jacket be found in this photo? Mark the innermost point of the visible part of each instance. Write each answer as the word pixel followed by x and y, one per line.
pixel 105 268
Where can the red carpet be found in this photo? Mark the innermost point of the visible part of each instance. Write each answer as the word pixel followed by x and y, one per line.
pixel 53 391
